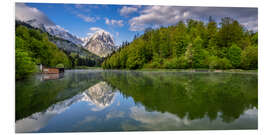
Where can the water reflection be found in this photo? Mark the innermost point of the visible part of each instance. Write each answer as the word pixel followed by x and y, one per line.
pixel 45 77
pixel 131 101
pixel 98 97
pixel 101 95
pixel 167 121
pixel 192 95
pixel 34 95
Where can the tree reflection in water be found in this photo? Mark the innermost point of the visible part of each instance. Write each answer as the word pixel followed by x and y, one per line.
pixel 194 95
pixel 129 100
pixel 98 97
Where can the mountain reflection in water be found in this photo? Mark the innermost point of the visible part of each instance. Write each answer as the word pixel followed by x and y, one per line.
pixel 131 101
pixel 99 96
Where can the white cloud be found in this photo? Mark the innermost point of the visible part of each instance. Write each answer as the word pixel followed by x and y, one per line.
pixel 115 114
pixel 114 22
pixel 127 10
pixel 250 23
pixel 153 15
pixel 168 15
pixel 155 120
pixel 94 29
pixel 26 13
pixel 80 10
pixel 86 18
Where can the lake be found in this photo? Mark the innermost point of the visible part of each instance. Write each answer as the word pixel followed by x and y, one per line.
pixel 104 100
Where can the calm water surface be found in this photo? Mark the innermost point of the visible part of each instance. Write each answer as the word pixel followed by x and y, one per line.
pixel 97 100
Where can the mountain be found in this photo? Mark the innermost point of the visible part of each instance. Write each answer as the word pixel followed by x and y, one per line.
pixel 37 19
pixel 62 33
pixel 101 43
pixel 70 47
pixel 61 43
pixel 54 30
pixel 85 40
pixel 99 96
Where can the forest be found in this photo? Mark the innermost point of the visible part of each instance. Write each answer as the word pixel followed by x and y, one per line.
pixel 187 45
pixel 33 47
pixel 190 45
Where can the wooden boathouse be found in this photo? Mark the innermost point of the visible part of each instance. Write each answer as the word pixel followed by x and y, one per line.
pixel 51 70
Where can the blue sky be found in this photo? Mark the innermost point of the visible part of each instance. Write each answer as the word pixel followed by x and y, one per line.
pixel 124 21
pixel 79 19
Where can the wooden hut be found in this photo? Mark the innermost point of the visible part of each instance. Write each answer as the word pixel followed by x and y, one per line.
pixel 52 70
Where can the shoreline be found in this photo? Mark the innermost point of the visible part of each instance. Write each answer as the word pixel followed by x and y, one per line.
pixel 205 70
pixel 179 70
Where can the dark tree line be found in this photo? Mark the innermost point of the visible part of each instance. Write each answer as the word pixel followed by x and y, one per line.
pixel 78 60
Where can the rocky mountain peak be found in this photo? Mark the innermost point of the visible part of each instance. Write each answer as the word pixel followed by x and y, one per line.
pixel 101 43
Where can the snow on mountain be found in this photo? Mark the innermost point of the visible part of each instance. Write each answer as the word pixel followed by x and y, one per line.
pixel 37 19
pixel 101 43
pixel 85 40
pixel 99 96
pixel 60 32
pixel 55 30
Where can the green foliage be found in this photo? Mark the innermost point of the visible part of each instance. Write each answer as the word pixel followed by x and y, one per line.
pixel 32 48
pixel 79 60
pixel 171 64
pixel 176 63
pixel 213 62
pixel 24 64
pixel 60 65
pixel 249 58
pixel 224 63
pixel 234 55
pixel 254 39
pixel 230 32
pixel 190 45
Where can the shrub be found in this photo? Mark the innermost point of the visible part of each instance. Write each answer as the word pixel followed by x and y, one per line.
pixel 24 64
pixel 171 64
pixel 176 63
pixel 234 55
pixel 153 64
pixel 249 57
pixel 224 63
pixel 182 62
pixel 213 62
pixel 60 65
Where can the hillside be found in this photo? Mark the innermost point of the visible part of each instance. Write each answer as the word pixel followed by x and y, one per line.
pixel 35 47
pixel 32 48
pixel 190 44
